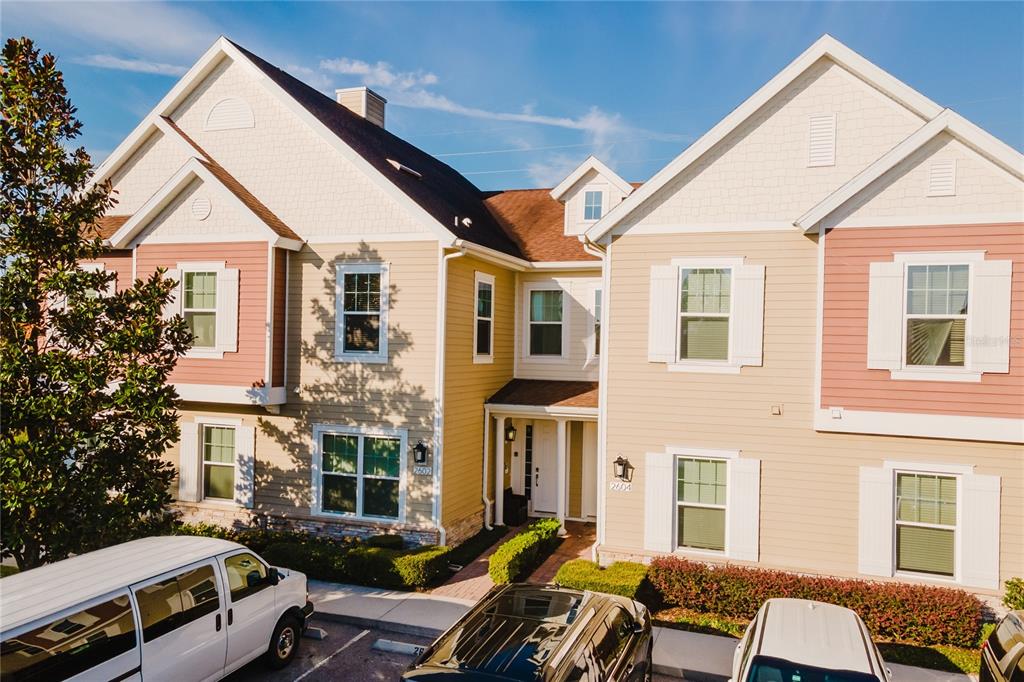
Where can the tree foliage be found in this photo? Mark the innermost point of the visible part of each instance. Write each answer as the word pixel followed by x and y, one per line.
pixel 85 407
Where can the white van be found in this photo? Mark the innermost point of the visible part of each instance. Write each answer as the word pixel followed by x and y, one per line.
pixel 798 640
pixel 164 608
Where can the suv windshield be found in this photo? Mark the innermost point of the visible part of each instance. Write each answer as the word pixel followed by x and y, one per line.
pixel 768 669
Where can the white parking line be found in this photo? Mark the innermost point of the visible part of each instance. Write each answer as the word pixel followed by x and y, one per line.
pixel 343 647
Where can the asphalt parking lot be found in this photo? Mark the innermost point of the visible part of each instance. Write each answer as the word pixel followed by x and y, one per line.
pixel 347 653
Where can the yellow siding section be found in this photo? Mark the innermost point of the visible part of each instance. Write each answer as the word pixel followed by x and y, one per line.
pixel 809 480
pixel 468 385
pixel 575 468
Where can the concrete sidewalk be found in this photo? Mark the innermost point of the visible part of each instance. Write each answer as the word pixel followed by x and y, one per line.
pixel 676 652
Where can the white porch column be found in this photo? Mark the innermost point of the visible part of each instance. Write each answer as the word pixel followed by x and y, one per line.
pixel 562 459
pixel 499 471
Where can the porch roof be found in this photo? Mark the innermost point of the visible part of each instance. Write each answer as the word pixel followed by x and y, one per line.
pixel 548 393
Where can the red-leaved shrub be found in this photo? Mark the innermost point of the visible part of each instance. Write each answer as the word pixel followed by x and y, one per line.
pixel 915 614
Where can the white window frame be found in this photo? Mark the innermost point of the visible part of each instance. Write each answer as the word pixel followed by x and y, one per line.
pixel 340 354
pixel 729 365
pixel 319 431
pixel 478 279
pixel 949 471
pixel 601 195
pixel 937 373
pixel 216 267
pixel 220 422
pixel 727 456
pixel 597 310
pixel 547 285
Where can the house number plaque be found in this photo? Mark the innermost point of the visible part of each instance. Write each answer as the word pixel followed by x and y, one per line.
pixel 621 486
pixel 422 470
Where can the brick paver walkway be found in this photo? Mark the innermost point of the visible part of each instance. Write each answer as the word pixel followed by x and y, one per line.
pixel 578 540
pixel 472 582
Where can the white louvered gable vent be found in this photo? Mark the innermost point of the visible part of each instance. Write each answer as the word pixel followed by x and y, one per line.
pixel 822 147
pixel 942 179
pixel 230 114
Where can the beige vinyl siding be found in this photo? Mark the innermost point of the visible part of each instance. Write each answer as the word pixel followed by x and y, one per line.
pixel 578 304
pixel 809 480
pixel 468 385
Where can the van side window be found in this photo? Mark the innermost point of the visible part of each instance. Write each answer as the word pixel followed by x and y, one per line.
pixel 70 644
pixel 247 575
pixel 177 601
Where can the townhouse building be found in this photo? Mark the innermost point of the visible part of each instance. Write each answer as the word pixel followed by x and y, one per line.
pixel 796 346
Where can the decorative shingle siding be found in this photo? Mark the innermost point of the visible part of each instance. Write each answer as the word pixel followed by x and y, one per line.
pixel 288 165
pixel 227 220
pixel 759 172
pixel 146 171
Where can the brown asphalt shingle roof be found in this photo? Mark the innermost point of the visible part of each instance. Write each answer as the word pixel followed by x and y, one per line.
pixel 440 190
pixel 537 223
pixel 106 226
pixel 547 393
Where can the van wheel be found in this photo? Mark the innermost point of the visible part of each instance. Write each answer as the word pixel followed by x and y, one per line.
pixel 284 643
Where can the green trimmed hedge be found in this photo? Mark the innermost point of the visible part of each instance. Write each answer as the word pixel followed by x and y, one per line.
pixel 915 614
pixel 1014 596
pixel 624 578
pixel 515 559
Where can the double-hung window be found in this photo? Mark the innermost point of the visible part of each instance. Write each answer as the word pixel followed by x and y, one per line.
pixel 199 307
pixel 926 520
pixel 360 473
pixel 936 315
pixel 483 344
pixel 700 503
pixel 593 204
pixel 545 322
pixel 218 447
pixel 362 305
pixel 704 305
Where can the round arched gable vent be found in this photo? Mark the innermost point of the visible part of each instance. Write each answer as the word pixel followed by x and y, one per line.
pixel 201 208
pixel 230 114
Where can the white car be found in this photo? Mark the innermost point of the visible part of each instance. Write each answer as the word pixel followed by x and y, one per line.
pixel 164 608
pixel 797 640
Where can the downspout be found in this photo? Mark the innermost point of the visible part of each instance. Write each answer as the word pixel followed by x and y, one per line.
pixel 483 494
pixel 602 392
pixel 442 318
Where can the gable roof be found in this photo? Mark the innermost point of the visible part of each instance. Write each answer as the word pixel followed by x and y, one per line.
pixel 591 163
pixel 537 223
pixel 948 121
pixel 825 47
pixel 436 187
pixel 106 226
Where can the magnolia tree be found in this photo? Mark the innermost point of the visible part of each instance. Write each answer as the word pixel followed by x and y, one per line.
pixel 85 407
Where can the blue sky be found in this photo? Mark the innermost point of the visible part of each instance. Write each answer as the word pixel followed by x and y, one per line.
pixel 515 95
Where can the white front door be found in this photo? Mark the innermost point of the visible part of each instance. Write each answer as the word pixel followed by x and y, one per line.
pixel 545 466
pixel 251 609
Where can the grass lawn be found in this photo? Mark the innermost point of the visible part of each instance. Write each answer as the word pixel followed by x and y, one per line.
pixel 945 658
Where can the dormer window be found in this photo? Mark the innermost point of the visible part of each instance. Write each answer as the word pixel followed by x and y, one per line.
pixel 593 203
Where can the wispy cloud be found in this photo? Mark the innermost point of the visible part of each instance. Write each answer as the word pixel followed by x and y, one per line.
pixel 379 75
pixel 106 61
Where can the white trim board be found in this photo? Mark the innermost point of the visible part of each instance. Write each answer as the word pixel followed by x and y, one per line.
pixel 551 411
pixel 955 427
pixel 824 47
pixel 233 395
pixel 591 163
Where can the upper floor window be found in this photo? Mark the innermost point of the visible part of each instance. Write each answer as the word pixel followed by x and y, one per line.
pixel 545 318
pixel 593 204
pixel 362 304
pixel 936 315
pixel 704 299
pixel 199 308
pixel 483 349
pixel 360 473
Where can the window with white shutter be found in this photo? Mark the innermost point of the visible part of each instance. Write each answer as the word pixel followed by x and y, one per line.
pixel 206 295
pixel 822 140
pixel 706 314
pixel 217 461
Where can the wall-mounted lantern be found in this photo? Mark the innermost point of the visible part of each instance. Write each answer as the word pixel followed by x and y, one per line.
pixel 623 469
pixel 419 452
pixel 510 433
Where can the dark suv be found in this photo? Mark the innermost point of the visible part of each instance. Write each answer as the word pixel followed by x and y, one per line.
pixel 1002 654
pixel 545 633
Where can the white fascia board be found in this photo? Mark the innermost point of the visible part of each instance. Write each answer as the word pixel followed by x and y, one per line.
pixel 509 410
pixel 592 163
pixel 491 255
pixel 445 236
pixel 235 395
pixel 202 68
pixel 566 265
pixel 949 121
pixel 826 46
pixel 192 169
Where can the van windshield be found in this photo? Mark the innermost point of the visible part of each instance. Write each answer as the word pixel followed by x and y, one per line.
pixel 770 669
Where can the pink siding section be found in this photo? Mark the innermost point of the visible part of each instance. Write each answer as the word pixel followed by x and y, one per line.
pixel 246 367
pixel 845 379
pixel 280 303
pixel 119 261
